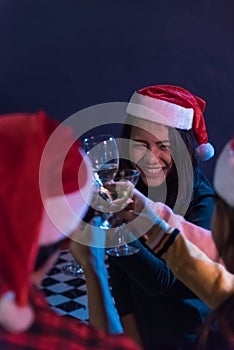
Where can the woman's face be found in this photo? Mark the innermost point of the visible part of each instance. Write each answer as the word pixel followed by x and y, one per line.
pixel 149 150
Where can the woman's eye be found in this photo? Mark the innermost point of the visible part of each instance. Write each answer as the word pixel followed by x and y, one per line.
pixel 139 146
pixel 164 147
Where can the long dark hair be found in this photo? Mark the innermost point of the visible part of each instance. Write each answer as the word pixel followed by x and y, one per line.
pixel 180 166
pixel 223 209
pixel 217 333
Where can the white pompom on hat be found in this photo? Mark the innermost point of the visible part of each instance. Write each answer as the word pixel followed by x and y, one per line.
pixel 224 174
pixel 176 107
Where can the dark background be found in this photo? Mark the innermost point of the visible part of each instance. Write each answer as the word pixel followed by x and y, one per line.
pixel 66 55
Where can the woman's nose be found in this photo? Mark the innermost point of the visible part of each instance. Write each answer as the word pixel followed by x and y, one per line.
pixel 152 155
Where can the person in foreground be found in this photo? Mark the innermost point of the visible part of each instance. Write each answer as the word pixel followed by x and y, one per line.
pixel 211 281
pixel 167 139
pixel 41 205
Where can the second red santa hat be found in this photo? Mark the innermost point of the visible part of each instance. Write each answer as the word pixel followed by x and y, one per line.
pixel 176 107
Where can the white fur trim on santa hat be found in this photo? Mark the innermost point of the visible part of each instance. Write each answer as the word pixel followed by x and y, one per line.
pixel 224 175
pixel 160 111
pixel 62 214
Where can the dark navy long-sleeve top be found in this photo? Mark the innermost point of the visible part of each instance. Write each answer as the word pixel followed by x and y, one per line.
pixel 168 314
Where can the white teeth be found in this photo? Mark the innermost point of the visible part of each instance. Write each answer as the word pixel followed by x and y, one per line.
pixel 153 171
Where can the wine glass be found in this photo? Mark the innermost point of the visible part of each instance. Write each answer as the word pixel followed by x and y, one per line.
pixel 72 268
pixel 104 155
pixel 121 191
pixel 103 152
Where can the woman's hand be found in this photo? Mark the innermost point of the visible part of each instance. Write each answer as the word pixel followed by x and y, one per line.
pixel 142 219
pixel 88 242
pixel 136 206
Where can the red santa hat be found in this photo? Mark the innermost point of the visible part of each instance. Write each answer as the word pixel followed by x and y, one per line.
pixel 224 174
pixel 23 138
pixel 173 106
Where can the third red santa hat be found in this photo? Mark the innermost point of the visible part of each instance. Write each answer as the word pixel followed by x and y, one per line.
pixel 224 174
pixel 176 107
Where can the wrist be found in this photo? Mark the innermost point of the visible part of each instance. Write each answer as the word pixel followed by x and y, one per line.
pixel 161 241
pixel 94 271
pixel 95 260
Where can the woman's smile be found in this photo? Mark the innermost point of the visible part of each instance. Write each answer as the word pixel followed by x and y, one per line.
pixel 150 152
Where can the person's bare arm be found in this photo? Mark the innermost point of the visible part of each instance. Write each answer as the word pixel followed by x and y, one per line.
pixel 102 311
pixel 207 279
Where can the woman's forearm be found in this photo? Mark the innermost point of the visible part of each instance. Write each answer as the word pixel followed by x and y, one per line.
pixel 207 279
pixel 199 236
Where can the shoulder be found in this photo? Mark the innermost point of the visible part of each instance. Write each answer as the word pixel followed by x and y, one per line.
pixel 202 187
pixel 202 204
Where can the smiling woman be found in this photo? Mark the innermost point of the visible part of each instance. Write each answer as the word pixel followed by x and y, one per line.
pixel 165 138
pixel 163 155
pixel 151 152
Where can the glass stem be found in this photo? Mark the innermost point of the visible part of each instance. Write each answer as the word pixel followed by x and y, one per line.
pixel 121 235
